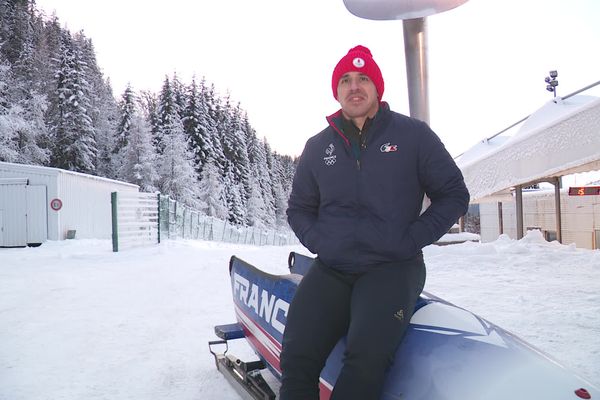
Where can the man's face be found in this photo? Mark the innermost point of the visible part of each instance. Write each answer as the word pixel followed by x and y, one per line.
pixel 357 96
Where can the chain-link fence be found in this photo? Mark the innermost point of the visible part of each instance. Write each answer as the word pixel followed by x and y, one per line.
pixel 180 221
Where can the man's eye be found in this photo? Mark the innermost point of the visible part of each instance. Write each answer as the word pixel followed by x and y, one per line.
pixel 364 78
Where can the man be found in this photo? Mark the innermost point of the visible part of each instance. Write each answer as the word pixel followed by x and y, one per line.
pixel 355 202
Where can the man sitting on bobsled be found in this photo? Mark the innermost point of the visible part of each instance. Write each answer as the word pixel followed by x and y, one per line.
pixel 355 202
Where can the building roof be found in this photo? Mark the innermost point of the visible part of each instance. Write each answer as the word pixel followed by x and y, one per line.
pixel 38 169
pixel 561 138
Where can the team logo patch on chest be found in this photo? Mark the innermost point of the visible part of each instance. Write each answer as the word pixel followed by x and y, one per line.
pixel 329 156
pixel 388 148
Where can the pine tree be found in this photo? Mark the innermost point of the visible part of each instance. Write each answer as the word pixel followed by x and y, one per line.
pixel 167 112
pixel 212 125
pixel 21 121
pixel 212 197
pixel 149 104
pixel 72 129
pixel 126 115
pixel 281 170
pixel 14 26
pixel 177 174
pixel 237 169
pixel 256 214
pixel 262 209
pixel 137 157
pixel 197 125
pixel 8 124
pixel 179 93
pixel 103 108
pixel 235 205
pixel 176 162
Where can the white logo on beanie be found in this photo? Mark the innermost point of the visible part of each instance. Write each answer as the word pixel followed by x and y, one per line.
pixel 358 62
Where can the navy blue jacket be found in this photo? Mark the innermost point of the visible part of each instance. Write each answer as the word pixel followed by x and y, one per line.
pixel 354 212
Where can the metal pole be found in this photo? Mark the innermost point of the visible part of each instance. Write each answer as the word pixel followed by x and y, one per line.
pixel 500 219
pixel 115 224
pixel 415 49
pixel 519 210
pixel 557 209
pixel 158 227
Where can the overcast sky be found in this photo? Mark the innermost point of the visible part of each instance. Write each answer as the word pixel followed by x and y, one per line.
pixel 487 58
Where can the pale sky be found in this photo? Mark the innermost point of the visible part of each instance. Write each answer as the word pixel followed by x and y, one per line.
pixel 487 58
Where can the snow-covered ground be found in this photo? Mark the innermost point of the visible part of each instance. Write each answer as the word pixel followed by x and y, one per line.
pixel 80 322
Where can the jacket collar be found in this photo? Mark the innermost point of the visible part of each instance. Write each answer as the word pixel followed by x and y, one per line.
pixel 335 119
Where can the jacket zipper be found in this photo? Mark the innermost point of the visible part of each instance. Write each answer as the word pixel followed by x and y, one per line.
pixel 361 147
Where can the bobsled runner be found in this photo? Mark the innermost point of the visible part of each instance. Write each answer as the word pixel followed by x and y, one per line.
pixel 447 353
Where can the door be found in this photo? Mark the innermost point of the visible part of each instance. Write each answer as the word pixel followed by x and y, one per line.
pixel 37 215
pixel 1 230
pixel 13 200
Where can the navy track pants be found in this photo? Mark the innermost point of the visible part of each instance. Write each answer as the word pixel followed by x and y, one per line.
pixel 373 308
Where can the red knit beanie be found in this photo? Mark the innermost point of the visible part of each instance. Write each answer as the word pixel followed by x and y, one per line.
pixel 358 59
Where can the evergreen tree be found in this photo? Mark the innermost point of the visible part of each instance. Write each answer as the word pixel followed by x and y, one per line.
pixel 237 169
pixel 212 197
pixel 47 41
pixel 72 129
pixel 8 125
pixel 262 209
pixel 235 205
pixel 14 27
pixel 213 127
pixel 256 214
pixel 281 170
pixel 126 114
pixel 179 94
pixel 21 121
pixel 103 108
pixel 198 127
pixel 137 157
pixel 149 103
pixel 168 116
pixel 176 162
pixel 177 174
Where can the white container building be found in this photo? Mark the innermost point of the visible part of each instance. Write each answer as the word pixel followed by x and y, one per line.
pixel 42 203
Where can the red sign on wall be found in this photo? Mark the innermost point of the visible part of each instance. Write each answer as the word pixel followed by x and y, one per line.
pixel 584 191
pixel 56 204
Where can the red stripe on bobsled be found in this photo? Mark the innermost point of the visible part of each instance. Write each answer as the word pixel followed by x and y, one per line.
pixel 249 327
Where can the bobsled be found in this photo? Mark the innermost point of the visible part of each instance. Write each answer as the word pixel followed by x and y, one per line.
pixel 447 353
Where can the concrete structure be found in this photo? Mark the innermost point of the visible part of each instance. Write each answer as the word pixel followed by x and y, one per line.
pixel 65 201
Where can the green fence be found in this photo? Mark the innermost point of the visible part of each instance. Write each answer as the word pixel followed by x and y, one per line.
pixel 180 221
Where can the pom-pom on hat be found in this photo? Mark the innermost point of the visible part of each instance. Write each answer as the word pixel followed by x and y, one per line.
pixel 358 59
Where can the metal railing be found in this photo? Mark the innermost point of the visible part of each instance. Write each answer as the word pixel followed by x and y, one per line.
pixel 180 221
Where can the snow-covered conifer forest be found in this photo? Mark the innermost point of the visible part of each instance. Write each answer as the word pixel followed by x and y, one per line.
pixel 57 109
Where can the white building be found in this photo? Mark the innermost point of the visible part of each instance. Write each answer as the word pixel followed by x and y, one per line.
pixel 42 203
pixel 580 218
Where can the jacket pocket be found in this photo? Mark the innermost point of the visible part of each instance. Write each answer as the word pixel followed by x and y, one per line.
pixel 312 239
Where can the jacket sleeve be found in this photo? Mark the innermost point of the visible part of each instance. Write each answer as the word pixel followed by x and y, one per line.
pixel 303 204
pixel 443 183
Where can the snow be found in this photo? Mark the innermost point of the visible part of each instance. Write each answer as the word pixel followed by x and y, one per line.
pixel 80 322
